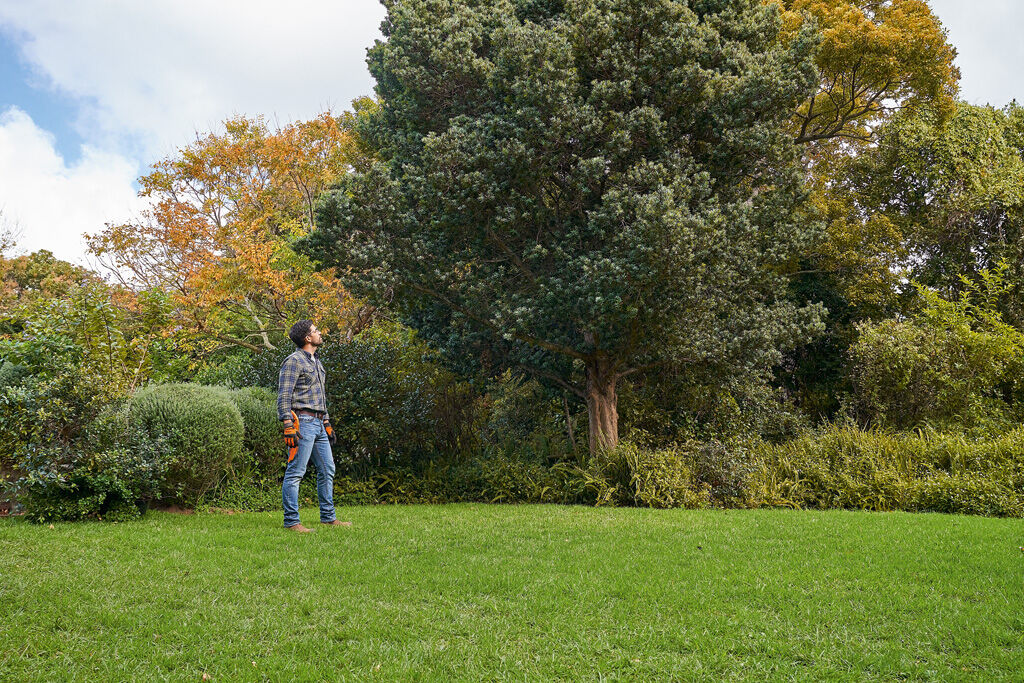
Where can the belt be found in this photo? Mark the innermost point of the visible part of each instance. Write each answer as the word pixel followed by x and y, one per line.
pixel 313 413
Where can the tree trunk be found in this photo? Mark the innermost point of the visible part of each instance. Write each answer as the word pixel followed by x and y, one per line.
pixel 602 405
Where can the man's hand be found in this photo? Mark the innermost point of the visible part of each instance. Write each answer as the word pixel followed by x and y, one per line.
pixel 330 432
pixel 291 435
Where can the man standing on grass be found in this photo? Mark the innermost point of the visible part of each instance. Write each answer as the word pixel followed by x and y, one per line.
pixel 302 409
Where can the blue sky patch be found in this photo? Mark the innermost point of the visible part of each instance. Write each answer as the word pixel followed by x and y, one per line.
pixel 49 109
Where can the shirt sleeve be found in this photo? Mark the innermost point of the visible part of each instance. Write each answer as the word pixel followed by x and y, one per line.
pixel 285 386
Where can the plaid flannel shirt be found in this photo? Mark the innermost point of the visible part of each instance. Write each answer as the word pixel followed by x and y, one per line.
pixel 301 384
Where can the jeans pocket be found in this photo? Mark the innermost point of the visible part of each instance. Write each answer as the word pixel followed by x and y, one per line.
pixel 305 422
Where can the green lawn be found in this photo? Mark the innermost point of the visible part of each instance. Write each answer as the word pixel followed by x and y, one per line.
pixel 477 592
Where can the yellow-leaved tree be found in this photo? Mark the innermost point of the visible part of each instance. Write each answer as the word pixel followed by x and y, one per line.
pixel 224 212
pixel 875 56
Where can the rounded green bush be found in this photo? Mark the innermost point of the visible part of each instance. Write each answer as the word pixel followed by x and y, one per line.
pixel 203 430
pixel 262 439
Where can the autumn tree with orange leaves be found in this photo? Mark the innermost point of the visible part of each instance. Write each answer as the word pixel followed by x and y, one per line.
pixel 217 235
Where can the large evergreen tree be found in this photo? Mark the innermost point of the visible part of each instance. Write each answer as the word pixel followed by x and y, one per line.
pixel 586 189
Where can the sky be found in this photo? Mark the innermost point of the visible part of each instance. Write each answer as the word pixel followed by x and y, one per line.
pixel 95 91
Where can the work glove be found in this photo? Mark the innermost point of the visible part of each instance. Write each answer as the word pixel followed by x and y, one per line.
pixel 291 435
pixel 330 432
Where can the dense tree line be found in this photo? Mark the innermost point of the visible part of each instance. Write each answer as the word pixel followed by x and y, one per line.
pixel 661 222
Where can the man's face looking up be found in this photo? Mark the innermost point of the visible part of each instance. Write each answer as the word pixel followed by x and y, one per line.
pixel 314 337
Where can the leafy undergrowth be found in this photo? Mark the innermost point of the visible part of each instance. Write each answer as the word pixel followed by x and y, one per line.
pixel 478 592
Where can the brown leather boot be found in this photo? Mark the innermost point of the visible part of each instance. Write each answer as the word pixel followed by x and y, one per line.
pixel 298 527
pixel 337 523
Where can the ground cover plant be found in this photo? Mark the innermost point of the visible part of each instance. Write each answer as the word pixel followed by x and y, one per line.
pixel 478 592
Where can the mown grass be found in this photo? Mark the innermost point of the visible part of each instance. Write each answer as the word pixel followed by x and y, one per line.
pixel 477 592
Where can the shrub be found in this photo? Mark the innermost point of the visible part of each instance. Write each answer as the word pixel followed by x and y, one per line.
pixel 352 492
pixel 966 494
pixel 11 374
pixel 842 466
pixel 202 429
pixel 240 367
pixel 633 476
pixel 46 413
pixel 113 485
pixel 395 405
pixel 949 364
pixel 261 440
pixel 663 479
pixel 525 421
pixel 48 410
pixel 259 495
pixel 512 480
pixel 723 468
pixel 672 407
pixel 112 474
pixel 495 479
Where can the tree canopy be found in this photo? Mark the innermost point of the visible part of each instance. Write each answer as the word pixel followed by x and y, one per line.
pixel 875 57
pixel 587 190
pixel 217 237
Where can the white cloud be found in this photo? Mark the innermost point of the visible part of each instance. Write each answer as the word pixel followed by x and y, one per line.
pixel 150 74
pixel 147 76
pixel 52 203
pixel 986 34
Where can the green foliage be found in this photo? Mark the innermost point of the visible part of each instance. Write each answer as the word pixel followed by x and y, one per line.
pixel 85 333
pixel 955 189
pixel 261 494
pixel 75 354
pixel 47 410
pixel 954 362
pixel 349 491
pixel 11 374
pixel 394 404
pixel 937 200
pixel 241 367
pixel 676 407
pixel 495 479
pixel 725 468
pixel 629 475
pixel 691 474
pixel 112 485
pixel 845 467
pixel 203 431
pixel 968 495
pixel 525 420
pixel 261 442
pixel 392 401
pixel 63 374
pixel 112 473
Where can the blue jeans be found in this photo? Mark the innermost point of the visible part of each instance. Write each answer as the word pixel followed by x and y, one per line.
pixel 312 442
